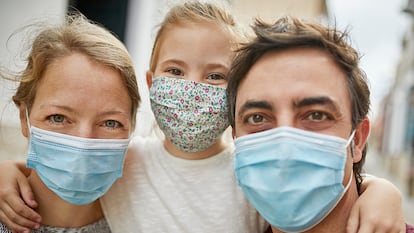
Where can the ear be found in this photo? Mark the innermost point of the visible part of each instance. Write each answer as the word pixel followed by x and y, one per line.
pixel 23 120
pixel 149 76
pixel 360 139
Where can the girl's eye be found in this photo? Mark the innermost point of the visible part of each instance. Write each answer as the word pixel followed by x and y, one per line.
pixel 57 119
pixel 317 116
pixel 175 71
pixel 217 77
pixel 112 124
pixel 255 119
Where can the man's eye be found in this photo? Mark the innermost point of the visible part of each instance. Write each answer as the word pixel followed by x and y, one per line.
pixel 57 118
pixel 112 124
pixel 317 116
pixel 254 119
pixel 174 71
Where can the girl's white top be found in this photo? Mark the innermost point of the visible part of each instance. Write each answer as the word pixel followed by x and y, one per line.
pixel 162 193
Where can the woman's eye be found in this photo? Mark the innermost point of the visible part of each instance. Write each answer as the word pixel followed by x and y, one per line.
pixel 113 124
pixel 254 119
pixel 57 118
pixel 317 116
pixel 174 71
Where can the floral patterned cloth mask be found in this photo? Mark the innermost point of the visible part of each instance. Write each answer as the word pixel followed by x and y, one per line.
pixel 192 115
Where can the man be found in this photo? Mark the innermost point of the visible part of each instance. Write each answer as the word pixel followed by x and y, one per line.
pixel 298 107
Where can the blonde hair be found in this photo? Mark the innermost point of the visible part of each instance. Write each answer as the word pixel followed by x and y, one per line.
pixel 196 11
pixel 75 34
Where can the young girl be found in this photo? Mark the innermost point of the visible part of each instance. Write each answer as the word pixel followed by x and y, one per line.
pixel 185 182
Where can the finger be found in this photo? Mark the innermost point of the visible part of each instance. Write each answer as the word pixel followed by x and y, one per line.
pixel 17 219
pixel 14 208
pixel 353 221
pixel 26 192
pixel 391 227
pixel 367 228
pixel 11 225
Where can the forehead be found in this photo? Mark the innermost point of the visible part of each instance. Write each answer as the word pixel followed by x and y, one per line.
pixel 78 81
pixel 198 38
pixel 290 75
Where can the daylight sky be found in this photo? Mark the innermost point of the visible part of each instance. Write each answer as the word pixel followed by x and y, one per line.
pixel 376 28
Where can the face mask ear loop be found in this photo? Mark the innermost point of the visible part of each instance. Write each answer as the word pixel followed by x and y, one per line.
pixel 27 120
pixel 351 142
pixel 349 183
pixel 352 148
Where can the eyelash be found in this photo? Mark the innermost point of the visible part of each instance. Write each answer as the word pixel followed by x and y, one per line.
pixel 174 71
pixel 117 124
pixel 249 118
pixel 53 121
pixel 210 77
pixel 221 77
pixel 325 116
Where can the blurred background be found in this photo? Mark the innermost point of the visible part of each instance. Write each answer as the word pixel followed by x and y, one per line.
pixel 382 30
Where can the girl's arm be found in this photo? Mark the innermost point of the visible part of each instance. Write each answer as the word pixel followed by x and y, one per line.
pixel 378 209
pixel 16 198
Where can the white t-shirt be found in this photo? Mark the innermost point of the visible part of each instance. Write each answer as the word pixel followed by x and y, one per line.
pixel 162 193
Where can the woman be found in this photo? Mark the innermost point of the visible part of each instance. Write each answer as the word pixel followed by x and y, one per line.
pixel 77 99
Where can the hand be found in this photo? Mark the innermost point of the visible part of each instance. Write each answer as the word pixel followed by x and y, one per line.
pixel 17 199
pixel 378 209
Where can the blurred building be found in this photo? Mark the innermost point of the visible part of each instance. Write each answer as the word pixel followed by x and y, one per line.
pixel 270 10
pixel 395 126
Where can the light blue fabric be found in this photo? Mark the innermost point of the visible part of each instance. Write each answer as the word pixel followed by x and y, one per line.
pixel 291 176
pixel 78 170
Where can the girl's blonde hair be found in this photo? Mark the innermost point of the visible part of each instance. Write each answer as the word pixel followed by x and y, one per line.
pixel 200 12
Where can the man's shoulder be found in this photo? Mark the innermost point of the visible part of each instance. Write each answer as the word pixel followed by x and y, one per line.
pixel 409 228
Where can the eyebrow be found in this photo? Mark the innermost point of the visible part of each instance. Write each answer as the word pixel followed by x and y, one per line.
pixel 183 63
pixel 254 104
pixel 309 101
pixel 66 108
pixel 172 61
pixel 71 110
pixel 318 100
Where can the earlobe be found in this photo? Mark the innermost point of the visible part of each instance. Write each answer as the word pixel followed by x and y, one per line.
pixel 23 120
pixel 149 75
pixel 361 138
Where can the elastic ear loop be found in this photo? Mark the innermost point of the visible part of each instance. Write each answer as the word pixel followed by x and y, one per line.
pixel 352 148
pixel 27 119
pixel 351 142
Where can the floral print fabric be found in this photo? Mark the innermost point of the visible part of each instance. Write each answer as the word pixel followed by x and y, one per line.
pixel 192 115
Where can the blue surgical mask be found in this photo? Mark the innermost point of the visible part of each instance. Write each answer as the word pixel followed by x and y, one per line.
pixel 78 170
pixel 291 176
